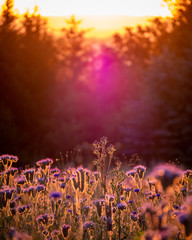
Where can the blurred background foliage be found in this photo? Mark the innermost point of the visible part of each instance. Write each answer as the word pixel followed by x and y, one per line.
pixel 64 91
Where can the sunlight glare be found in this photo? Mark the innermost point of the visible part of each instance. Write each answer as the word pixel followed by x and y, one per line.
pixel 99 7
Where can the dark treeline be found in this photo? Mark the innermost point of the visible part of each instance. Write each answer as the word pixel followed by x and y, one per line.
pixel 58 92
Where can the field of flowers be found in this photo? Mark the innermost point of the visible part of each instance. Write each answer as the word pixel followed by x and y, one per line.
pixel 75 203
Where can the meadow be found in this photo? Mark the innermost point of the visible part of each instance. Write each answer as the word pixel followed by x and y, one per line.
pixel 46 202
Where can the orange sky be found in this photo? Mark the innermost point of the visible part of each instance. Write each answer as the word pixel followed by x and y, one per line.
pixel 104 16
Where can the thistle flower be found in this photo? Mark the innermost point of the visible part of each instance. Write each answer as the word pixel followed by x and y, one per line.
pixel 65 230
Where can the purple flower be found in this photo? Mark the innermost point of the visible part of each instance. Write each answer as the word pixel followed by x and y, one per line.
pixel 158 195
pixel 140 170
pixel 137 190
pixel 65 230
pixel 167 174
pixel 63 185
pixel 131 173
pixel 44 163
pixel 121 206
pixel 88 225
pixel 70 211
pixel 55 195
pixel 40 188
pixel 134 216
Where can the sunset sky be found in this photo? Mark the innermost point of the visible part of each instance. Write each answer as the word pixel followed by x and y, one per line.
pixel 104 16
pixel 95 7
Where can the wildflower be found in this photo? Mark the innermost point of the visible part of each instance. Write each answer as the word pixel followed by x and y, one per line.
pixel 44 163
pixel 55 233
pixel 29 174
pixel 12 171
pixel 88 225
pixel 176 207
pixel 137 190
pixel 55 195
pixel 99 203
pixel 127 190
pixel 13 211
pixel 140 170
pixel 54 170
pixel 110 198
pixel 68 196
pixel 85 210
pixel 45 219
pixel 134 216
pixel 97 175
pixel 70 211
pixel 158 195
pixel 186 220
pixel 122 198
pixel 21 209
pixel 5 159
pixel 40 188
pixel 65 230
pixel 21 180
pixel 56 174
pixel 63 185
pixel 121 206
pixel 12 204
pixel 130 202
pixel 131 173
pixel 167 174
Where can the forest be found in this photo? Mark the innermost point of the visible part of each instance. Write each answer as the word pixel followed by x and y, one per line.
pixel 61 92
